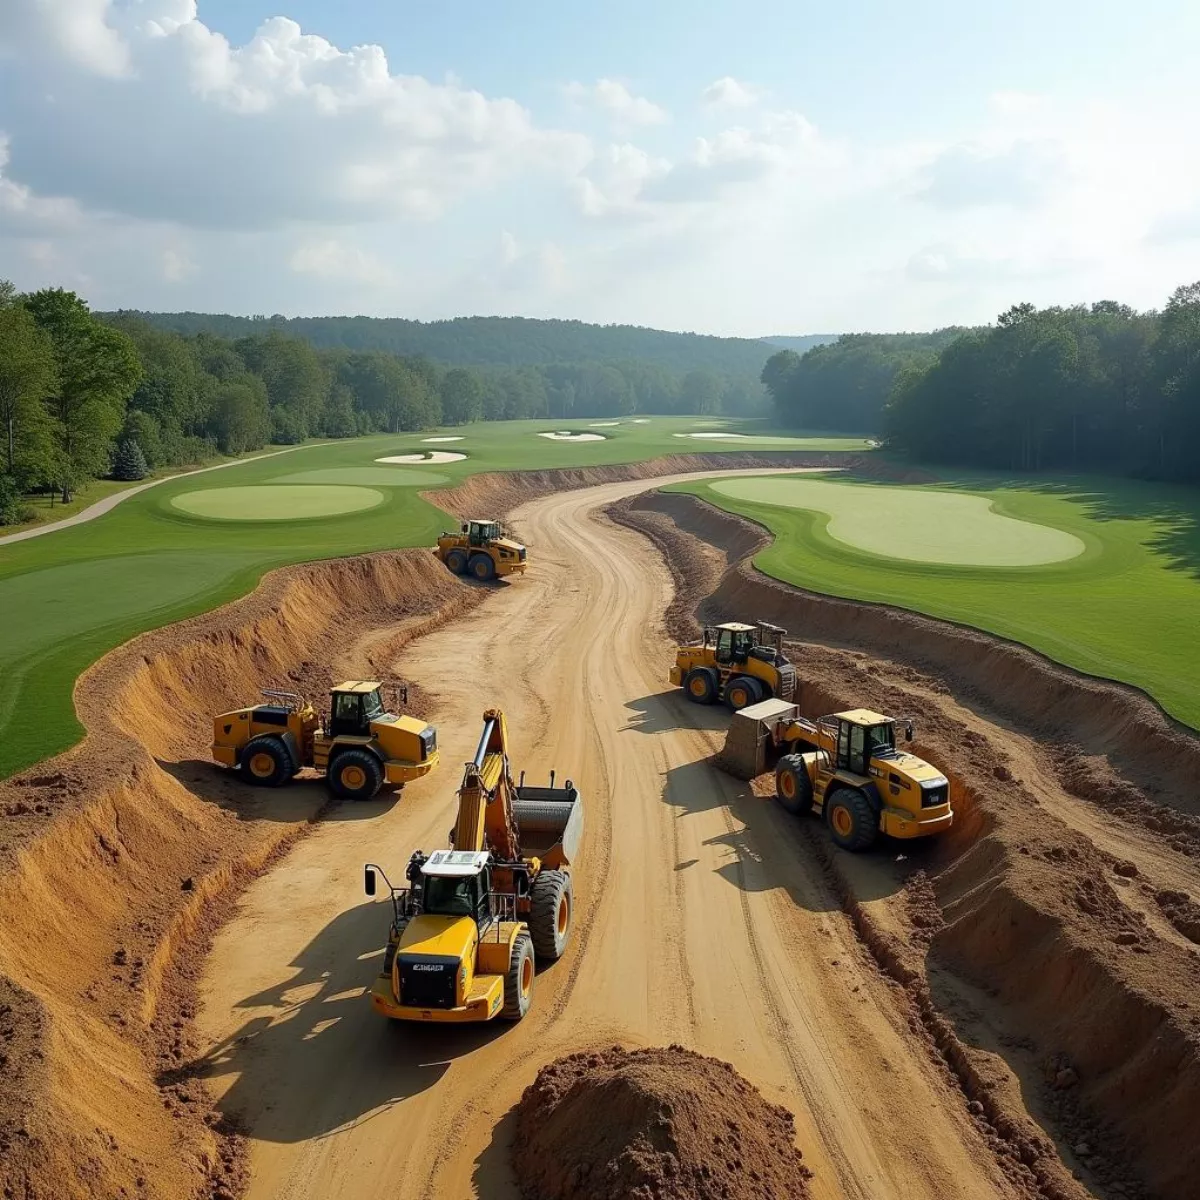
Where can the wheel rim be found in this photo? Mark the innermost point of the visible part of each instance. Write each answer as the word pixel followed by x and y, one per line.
pixel 526 975
pixel 697 687
pixel 353 777
pixel 843 822
pixel 262 765
pixel 564 915
pixel 739 698
pixel 787 785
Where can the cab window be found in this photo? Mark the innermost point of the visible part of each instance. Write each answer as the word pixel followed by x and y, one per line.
pixel 372 707
pixel 346 708
pixel 450 897
pixel 881 739
pixel 858 743
pixel 724 646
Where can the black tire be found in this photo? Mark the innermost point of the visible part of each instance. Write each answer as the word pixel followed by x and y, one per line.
pixel 456 560
pixel 793 788
pixel 355 774
pixel 741 692
pixel 701 685
pixel 253 765
pixel 518 982
pixel 482 567
pixel 851 819
pixel 551 914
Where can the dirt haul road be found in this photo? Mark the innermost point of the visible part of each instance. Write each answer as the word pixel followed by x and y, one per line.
pixel 688 929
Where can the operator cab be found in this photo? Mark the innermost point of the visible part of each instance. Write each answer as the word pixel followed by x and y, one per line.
pixel 733 642
pixel 863 735
pixel 353 706
pixel 457 883
pixel 479 533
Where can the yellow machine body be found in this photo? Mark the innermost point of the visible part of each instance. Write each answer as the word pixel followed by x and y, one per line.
pixel 737 663
pixel 481 549
pixel 363 747
pixel 465 934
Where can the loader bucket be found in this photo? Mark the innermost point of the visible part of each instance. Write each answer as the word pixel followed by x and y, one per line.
pixel 749 750
pixel 550 824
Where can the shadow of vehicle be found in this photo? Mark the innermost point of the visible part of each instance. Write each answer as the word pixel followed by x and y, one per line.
pixel 322 1058
pixel 663 712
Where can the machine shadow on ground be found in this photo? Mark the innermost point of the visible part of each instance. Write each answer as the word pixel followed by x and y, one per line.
pixel 323 1058
pixel 666 712
pixel 302 800
pixel 493 1176
pixel 768 848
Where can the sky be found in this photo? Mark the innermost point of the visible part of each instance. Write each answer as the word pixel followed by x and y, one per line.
pixel 785 167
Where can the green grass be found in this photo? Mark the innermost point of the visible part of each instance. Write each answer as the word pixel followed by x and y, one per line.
pixel 277 501
pixel 1127 608
pixel 70 596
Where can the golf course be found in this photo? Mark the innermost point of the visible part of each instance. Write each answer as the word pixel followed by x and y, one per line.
pixel 1100 574
pixel 197 541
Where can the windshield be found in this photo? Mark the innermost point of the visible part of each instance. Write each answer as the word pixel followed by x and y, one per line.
pixel 881 740
pixel 450 897
pixel 373 706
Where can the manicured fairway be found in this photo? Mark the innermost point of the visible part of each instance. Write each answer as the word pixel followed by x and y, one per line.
pixel 918 524
pixel 277 502
pixel 72 595
pixel 1126 608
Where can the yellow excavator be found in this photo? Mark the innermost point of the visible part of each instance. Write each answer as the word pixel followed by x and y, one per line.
pixel 845 767
pixel 363 747
pixel 467 930
pixel 481 549
pixel 740 664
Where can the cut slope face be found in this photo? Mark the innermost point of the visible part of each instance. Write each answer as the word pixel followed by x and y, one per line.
pixel 663 1123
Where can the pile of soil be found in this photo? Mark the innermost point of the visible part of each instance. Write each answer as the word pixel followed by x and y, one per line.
pixel 663 1123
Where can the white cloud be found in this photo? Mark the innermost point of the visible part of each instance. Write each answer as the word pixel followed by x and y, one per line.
pixel 335 261
pixel 23 211
pixel 618 102
pixel 284 128
pixel 1022 174
pixel 177 265
pixel 1016 104
pixel 727 92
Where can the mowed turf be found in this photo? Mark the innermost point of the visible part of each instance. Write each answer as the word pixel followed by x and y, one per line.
pixel 70 596
pixel 1126 608
pixel 277 502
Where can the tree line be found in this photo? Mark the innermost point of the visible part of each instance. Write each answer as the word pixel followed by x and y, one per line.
pixel 83 397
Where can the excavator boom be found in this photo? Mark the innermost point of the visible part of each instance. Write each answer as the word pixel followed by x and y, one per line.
pixel 485 800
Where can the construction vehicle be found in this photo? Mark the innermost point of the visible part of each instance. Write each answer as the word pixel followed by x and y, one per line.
pixel 740 664
pixel 481 549
pixel 466 931
pixel 362 747
pixel 845 767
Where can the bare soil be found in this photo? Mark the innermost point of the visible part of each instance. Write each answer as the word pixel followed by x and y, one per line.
pixel 648 1124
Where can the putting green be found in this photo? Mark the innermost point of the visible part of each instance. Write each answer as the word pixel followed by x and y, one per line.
pixel 277 502
pixel 367 477
pixel 916 524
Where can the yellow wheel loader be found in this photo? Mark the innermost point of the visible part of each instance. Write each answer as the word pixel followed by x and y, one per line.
pixel 363 747
pixel 740 664
pixel 474 921
pixel 845 767
pixel 481 549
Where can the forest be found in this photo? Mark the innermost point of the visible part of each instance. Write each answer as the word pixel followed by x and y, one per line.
pixel 85 396
pixel 1085 388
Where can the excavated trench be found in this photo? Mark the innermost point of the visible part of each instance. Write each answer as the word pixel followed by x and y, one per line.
pixel 1035 963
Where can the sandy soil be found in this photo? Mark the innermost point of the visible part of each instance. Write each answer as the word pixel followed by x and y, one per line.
pixel 698 924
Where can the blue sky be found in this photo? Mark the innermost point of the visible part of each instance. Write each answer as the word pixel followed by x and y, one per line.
pixel 782 167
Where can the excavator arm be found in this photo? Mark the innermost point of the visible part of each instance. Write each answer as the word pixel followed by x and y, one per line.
pixel 485 799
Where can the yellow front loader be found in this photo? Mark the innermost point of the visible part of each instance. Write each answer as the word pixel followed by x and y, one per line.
pixel 362 747
pixel 481 549
pixel 467 932
pixel 740 664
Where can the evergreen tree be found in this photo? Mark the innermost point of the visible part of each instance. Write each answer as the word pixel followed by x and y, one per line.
pixel 129 463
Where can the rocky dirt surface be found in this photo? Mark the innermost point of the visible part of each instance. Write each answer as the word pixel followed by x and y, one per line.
pixel 654 1124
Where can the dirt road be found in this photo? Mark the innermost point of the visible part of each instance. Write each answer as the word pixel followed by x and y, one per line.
pixel 700 920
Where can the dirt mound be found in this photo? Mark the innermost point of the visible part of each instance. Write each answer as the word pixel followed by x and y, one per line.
pixel 120 854
pixel 662 1123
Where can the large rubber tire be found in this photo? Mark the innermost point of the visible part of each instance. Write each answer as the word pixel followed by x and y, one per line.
pixel 355 774
pixel 742 691
pixel 518 983
pixel 482 567
pixel 266 762
pixel 456 560
pixel 701 685
pixel 551 914
pixel 851 819
pixel 793 788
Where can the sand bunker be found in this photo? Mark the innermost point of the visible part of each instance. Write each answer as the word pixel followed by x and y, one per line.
pixel 430 457
pixel 276 502
pixel 664 1123
pixel 442 439
pixel 603 424
pixel 565 435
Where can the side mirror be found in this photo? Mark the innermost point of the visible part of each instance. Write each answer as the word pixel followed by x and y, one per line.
pixel 369 881
pixel 464 529
pixel 908 732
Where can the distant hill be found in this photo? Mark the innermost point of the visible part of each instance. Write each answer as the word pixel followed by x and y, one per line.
pixel 491 341
pixel 801 344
